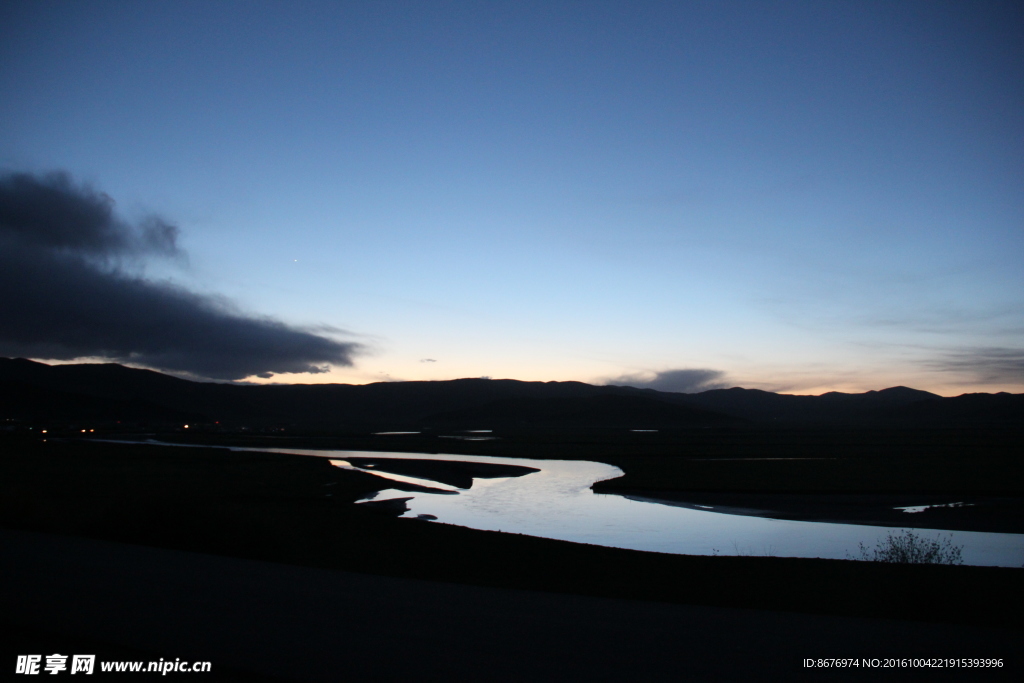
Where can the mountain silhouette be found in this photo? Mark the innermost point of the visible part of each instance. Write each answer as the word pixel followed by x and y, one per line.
pixel 21 401
pixel 830 408
pixel 36 391
pixel 608 410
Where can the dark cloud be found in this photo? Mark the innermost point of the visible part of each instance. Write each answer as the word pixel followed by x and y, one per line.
pixel 65 293
pixel 989 365
pixel 683 381
pixel 52 213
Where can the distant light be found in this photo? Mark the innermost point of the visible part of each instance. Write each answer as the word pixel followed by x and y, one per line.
pixel 44 431
pixel 186 426
pixel 92 430
pixel 83 431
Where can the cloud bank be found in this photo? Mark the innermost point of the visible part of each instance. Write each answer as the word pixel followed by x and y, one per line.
pixel 683 381
pixel 66 292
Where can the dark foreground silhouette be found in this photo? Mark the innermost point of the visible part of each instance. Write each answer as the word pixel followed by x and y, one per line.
pixel 296 512
pixel 299 510
pixel 243 535
pixel 307 624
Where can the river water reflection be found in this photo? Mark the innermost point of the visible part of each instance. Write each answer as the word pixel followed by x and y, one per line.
pixel 557 502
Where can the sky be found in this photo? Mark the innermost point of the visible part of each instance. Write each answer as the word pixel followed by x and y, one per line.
pixel 793 196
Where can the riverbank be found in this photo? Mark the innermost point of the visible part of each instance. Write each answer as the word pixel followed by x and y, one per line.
pixel 297 510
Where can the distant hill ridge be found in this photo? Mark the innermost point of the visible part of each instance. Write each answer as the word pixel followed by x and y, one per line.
pixel 31 390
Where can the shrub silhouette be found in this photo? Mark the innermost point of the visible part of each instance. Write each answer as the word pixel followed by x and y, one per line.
pixel 909 548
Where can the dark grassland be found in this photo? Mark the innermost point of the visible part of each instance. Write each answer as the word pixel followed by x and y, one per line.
pixel 276 507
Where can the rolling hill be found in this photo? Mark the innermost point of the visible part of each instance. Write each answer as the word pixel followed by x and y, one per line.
pixel 35 391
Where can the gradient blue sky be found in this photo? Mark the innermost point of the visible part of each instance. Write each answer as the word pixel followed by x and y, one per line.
pixel 803 196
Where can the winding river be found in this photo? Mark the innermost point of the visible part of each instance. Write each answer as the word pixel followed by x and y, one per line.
pixel 556 501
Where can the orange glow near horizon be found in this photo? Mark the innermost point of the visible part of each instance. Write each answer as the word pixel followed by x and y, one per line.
pixel 799 383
